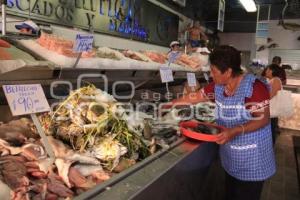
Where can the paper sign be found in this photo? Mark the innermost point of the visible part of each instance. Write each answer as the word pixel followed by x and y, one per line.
pixel 166 74
pixel 83 43
pixel 206 77
pixel 173 56
pixel 26 99
pixel 191 79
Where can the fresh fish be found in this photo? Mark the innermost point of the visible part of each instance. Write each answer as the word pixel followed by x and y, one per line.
pixel 269 40
pixel 109 150
pixel 63 167
pixel 78 180
pixel 206 129
pixel 261 48
pixel 273 45
pixel 147 133
pixel 33 152
pixel 6 149
pixel 62 151
pixel 18 131
pixel 57 187
pixel 124 164
pixel 14 171
pixel 288 26
pixel 87 170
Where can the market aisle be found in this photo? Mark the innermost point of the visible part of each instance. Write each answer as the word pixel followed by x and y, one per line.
pixel 284 185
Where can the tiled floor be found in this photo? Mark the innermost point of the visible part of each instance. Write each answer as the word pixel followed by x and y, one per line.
pixel 284 184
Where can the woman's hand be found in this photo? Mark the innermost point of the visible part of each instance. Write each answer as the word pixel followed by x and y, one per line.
pixel 225 136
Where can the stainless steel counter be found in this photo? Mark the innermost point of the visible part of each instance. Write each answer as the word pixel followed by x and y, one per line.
pixel 179 173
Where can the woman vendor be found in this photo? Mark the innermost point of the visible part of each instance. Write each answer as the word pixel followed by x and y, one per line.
pixel 242 106
pixel 273 73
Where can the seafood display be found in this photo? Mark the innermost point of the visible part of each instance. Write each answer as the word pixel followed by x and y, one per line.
pixel 94 123
pixel 136 56
pixel 188 61
pixel 204 111
pixel 156 56
pixel 10 52
pixel 92 136
pixel 23 171
pixel 60 51
pixel 61 46
pixel 201 128
pixel 105 52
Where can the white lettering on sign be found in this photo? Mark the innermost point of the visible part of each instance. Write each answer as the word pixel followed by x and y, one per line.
pixel 83 43
pixel 166 74
pixel 26 99
pixel 191 79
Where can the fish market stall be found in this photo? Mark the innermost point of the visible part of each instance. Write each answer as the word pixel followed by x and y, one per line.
pixel 14 59
pixel 91 172
pixel 60 51
pixel 98 142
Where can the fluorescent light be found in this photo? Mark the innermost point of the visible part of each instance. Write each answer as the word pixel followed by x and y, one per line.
pixel 249 5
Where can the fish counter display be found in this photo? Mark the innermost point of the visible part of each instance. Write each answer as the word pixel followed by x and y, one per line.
pixel 13 58
pixel 93 137
pixel 60 51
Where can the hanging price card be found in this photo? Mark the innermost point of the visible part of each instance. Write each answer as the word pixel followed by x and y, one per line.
pixel 191 79
pixel 26 99
pixel 166 74
pixel 83 43
pixel 173 56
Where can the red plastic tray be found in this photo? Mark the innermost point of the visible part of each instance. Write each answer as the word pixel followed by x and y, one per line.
pixel 197 135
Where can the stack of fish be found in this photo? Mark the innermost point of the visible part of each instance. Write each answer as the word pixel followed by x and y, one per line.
pixel 61 46
pixel 27 173
pixel 92 136
pixel 156 56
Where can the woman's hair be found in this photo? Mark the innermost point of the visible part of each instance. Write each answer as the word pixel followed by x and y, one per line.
pixel 276 70
pixel 276 60
pixel 225 57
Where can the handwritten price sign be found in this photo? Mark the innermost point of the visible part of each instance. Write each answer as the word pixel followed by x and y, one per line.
pixel 26 99
pixel 166 74
pixel 173 56
pixel 191 77
pixel 83 43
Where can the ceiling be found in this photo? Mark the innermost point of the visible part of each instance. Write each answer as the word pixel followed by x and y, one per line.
pixel 236 18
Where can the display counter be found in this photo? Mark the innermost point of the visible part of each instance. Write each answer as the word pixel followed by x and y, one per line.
pixel 180 173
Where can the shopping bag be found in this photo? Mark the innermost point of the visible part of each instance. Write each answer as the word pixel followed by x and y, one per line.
pixel 281 105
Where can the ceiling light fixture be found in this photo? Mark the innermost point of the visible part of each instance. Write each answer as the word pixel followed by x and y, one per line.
pixel 249 5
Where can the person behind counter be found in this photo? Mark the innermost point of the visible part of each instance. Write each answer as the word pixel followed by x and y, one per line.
pixel 273 73
pixel 242 106
pixel 282 74
pixel 196 34
pixel 28 27
pixel 174 52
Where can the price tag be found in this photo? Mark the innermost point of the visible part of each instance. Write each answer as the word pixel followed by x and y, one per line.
pixel 191 79
pixel 26 99
pixel 206 77
pixel 83 43
pixel 166 74
pixel 173 56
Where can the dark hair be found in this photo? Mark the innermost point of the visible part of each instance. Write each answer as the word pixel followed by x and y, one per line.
pixel 276 70
pixel 276 60
pixel 225 57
